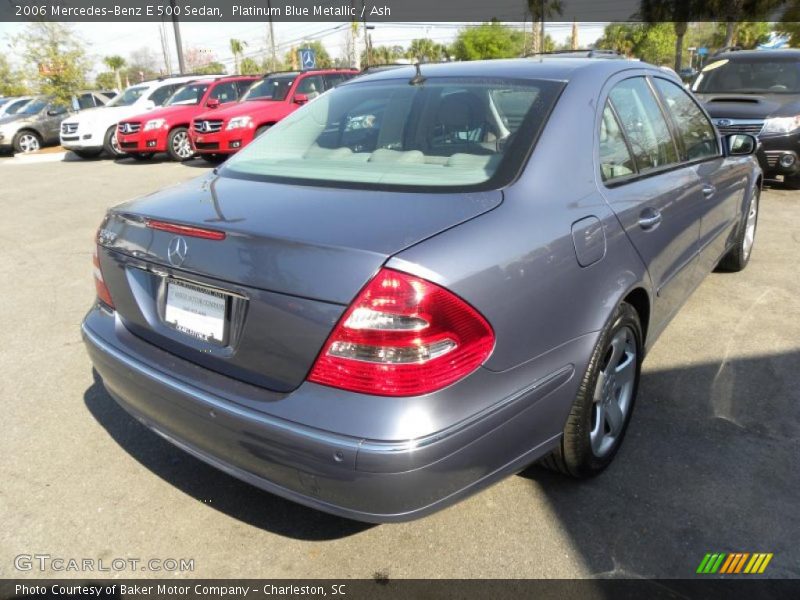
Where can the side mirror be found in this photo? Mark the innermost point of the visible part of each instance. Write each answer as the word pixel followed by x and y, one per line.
pixel 740 144
pixel 300 98
pixel 213 103
pixel 149 105
pixel 54 112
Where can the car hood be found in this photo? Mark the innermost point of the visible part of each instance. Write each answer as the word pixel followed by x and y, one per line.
pixel 751 106
pixel 251 107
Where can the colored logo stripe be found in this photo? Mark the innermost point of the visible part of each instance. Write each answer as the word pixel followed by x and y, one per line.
pixel 734 562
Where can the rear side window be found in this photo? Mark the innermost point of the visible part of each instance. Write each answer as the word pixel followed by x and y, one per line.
pixel 463 133
pixel 243 86
pixel 615 157
pixel 644 124
pixel 161 94
pixel 225 92
pixel 335 79
pixel 696 132
pixel 311 86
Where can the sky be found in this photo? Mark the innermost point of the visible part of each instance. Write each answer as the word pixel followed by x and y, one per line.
pixel 105 39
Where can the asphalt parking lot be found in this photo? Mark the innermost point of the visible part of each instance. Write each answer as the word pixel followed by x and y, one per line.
pixel 710 462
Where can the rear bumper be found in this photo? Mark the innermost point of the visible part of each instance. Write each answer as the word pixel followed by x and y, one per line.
pixel 366 480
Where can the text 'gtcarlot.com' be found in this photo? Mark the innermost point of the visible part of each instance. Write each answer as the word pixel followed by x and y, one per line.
pixel 47 562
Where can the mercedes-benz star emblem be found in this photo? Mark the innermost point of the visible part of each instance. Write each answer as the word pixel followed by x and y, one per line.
pixel 176 251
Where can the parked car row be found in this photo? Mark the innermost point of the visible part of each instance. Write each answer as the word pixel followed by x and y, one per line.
pixel 212 116
pixel 34 121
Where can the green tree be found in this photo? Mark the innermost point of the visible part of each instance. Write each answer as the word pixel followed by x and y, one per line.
pixel 237 49
pixel 383 55
pixel 211 68
pixel 324 60
pixel 55 57
pixel 250 66
pixel 650 42
pixel 115 63
pixel 490 40
pixel 426 50
pixel 105 81
pixel 12 82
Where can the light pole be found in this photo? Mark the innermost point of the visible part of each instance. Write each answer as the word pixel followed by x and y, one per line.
pixel 178 42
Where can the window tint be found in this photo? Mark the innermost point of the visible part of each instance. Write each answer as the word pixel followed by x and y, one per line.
pixel 696 132
pixel 750 76
pixel 225 92
pixel 641 118
pixel 615 158
pixel 162 93
pixel 16 106
pixel 85 101
pixel 270 88
pixel 448 132
pixel 335 79
pixel 311 86
pixel 243 86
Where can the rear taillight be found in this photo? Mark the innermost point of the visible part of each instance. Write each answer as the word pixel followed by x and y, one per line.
pixel 99 283
pixel 403 336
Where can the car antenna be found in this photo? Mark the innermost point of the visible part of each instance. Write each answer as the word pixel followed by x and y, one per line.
pixel 417 79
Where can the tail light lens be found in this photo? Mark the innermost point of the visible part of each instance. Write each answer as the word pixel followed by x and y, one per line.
pixel 100 285
pixel 403 336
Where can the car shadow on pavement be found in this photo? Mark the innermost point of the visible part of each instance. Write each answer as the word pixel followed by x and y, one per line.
pixel 209 485
pixel 709 464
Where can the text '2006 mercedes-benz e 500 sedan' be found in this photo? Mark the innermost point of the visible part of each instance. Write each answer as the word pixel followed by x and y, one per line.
pixel 422 281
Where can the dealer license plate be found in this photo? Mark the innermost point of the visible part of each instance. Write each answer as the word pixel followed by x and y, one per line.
pixel 196 311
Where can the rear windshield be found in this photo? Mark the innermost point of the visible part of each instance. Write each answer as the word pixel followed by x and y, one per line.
pixel 443 133
pixel 128 97
pixel 188 94
pixel 749 77
pixel 271 88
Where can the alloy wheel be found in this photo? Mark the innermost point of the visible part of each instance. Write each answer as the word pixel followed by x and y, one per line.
pixel 750 228
pixel 181 146
pixel 29 143
pixel 613 394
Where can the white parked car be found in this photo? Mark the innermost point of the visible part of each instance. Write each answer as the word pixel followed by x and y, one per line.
pixel 93 131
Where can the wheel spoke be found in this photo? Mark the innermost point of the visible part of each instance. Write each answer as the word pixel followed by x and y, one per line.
pixel 617 350
pixel 614 417
pixel 597 434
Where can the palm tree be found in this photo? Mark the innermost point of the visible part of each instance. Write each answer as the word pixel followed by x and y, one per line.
pixel 237 48
pixel 115 63
pixel 539 11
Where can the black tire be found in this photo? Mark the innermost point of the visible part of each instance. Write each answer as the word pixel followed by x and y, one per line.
pixel 738 257
pixel 142 156
pixel 110 143
pixel 574 455
pixel 26 141
pixel 214 159
pixel 87 154
pixel 262 129
pixel 792 182
pixel 178 146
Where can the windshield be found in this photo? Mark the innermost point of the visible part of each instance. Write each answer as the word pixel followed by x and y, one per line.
pixel 33 107
pixel 447 132
pixel 128 97
pixel 749 77
pixel 188 94
pixel 271 88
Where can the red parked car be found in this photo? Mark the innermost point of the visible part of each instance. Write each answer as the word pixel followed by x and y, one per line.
pixel 277 95
pixel 166 129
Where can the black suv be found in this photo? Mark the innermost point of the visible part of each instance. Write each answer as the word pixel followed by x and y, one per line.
pixel 758 92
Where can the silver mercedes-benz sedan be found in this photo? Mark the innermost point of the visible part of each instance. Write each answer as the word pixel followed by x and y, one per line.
pixel 422 281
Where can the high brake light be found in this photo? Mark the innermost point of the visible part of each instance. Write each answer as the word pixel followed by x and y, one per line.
pixel 99 283
pixel 187 230
pixel 403 336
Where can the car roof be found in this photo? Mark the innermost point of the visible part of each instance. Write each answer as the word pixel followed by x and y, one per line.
pixel 760 55
pixel 538 67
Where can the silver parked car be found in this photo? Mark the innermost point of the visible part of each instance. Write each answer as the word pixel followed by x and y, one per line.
pixel 422 281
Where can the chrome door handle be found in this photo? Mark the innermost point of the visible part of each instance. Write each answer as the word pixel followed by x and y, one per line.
pixel 649 218
pixel 709 190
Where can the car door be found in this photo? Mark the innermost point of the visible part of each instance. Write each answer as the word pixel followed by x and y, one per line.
pixel 655 196
pixel 724 185
pixel 50 123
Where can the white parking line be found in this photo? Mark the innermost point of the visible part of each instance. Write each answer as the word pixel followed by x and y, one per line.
pixel 27 159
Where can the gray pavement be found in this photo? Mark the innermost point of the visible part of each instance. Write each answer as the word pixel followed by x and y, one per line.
pixel 710 462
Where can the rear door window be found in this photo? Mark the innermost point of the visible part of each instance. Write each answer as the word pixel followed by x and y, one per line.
pixel 697 136
pixel 615 156
pixel 225 92
pixel 644 125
